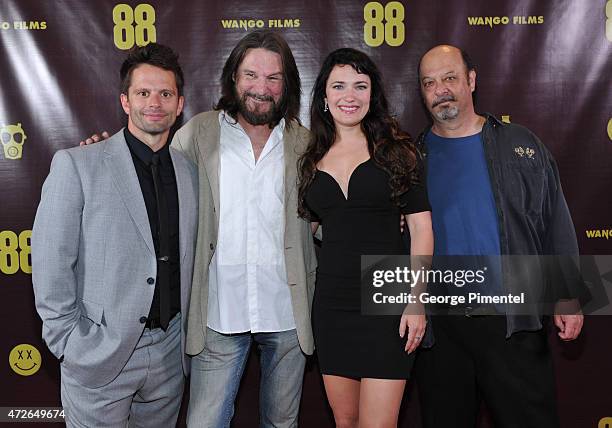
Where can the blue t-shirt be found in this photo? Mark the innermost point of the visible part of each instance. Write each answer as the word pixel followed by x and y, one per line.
pixel 464 215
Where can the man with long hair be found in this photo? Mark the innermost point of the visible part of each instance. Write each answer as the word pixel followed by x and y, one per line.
pixel 255 263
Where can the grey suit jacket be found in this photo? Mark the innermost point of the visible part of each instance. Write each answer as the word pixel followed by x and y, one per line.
pixel 199 140
pixel 93 256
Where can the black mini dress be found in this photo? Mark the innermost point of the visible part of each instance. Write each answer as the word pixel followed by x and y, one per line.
pixel 348 343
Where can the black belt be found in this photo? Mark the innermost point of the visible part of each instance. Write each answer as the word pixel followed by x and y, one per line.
pixel 469 311
pixel 152 323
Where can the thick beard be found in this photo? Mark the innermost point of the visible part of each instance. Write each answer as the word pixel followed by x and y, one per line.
pixel 257 118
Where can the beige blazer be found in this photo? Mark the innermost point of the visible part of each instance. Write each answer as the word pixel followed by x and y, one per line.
pixel 198 139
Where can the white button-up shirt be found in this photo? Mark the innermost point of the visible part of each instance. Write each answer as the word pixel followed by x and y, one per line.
pixel 248 289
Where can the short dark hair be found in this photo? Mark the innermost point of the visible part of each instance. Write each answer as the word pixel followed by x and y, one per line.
pixel 289 106
pixel 153 54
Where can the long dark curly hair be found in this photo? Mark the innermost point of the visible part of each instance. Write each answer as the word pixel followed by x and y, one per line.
pixel 390 148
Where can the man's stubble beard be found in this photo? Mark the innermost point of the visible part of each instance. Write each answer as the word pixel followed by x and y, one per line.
pixel 152 128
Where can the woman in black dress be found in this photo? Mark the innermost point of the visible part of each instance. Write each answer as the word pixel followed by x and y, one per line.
pixel 359 174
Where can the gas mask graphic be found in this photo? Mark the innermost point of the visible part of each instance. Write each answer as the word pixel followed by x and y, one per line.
pixel 13 138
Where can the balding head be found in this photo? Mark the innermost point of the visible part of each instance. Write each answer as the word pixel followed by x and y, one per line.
pixel 447 80
pixel 445 51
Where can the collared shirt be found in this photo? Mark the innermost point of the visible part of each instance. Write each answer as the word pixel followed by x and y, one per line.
pixel 141 155
pixel 248 289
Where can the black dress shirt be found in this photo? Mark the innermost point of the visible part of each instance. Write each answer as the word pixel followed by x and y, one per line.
pixel 141 155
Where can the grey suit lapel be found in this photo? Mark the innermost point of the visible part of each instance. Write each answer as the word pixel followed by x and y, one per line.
pixel 119 161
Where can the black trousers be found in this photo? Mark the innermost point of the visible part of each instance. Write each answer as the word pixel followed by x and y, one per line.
pixel 471 361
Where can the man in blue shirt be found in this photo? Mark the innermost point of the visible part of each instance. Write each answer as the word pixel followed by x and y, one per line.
pixel 488 200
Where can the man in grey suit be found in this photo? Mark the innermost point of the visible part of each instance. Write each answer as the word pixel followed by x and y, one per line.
pixel 112 258
pixel 255 263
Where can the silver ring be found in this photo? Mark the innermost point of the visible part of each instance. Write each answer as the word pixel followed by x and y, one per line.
pixel 417 337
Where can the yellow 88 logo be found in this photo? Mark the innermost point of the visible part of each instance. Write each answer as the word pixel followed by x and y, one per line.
pixel 125 33
pixel 384 24
pixel 15 252
pixel 605 423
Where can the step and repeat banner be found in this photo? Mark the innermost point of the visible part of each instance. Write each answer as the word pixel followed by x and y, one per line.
pixel 545 64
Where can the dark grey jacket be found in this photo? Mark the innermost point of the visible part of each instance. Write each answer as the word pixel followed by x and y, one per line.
pixel 533 220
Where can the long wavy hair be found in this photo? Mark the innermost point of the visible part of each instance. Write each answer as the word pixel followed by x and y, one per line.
pixel 289 105
pixel 390 148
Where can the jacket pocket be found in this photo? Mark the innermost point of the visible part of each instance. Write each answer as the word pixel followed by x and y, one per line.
pixel 525 187
pixel 86 330
pixel 92 311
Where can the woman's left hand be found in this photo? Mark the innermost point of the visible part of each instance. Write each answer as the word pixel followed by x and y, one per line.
pixel 415 325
